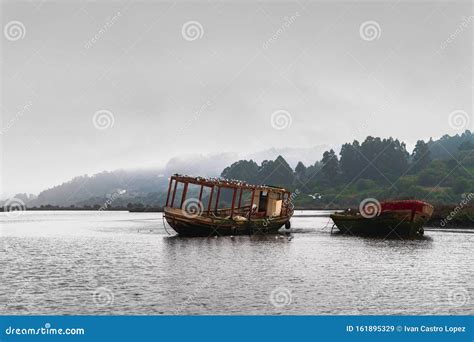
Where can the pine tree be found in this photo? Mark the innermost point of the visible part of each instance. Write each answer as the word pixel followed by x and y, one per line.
pixel 421 156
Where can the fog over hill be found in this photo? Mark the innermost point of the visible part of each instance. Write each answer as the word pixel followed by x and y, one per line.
pixel 292 155
pixel 149 185
pixel 136 183
pixel 213 164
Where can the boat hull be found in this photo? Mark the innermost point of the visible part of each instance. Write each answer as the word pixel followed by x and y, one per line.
pixel 195 226
pixel 387 224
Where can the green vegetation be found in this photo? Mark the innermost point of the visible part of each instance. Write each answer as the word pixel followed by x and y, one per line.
pixel 458 216
pixel 437 171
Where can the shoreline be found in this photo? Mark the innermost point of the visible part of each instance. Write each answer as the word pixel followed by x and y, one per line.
pixel 442 218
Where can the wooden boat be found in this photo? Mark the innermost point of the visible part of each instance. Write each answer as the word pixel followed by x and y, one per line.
pixel 202 211
pixel 387 219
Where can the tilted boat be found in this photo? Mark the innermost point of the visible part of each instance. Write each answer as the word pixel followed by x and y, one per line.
pixel 386 219
pixel 202 211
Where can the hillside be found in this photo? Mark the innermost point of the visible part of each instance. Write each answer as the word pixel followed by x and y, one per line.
pixel 376 167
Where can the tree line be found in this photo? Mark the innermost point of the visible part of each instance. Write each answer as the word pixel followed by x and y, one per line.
pixel 376 166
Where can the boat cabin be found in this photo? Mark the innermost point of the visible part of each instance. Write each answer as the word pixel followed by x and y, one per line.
pixel 226 198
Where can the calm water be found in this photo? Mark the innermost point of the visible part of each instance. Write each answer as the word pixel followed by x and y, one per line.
pixel 125 263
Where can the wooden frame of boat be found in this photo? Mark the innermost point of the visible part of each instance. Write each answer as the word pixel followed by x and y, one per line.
pixel 269 207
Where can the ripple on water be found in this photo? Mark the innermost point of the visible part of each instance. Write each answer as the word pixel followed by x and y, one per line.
pixel 122 263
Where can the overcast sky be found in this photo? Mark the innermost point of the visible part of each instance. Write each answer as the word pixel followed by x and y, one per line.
pixel 175 78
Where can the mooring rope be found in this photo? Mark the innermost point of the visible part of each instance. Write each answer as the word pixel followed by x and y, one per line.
pixel 164 224
pixel 326 225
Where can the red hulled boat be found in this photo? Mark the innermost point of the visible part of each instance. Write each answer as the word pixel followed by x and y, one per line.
pixel 392 218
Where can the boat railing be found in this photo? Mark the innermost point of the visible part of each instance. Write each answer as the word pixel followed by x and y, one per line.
pixel 242 211
pixel 211 206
